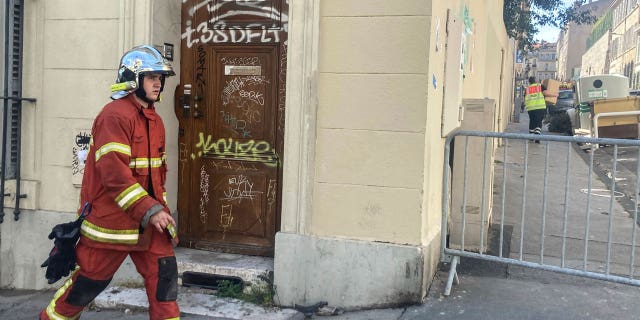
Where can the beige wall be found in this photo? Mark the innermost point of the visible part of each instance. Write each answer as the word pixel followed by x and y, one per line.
pixel 377 152
pixel 72 50
pixel 371 117
pixel 490 53
pixel 431 205
pixel 377 102
pixel 71 54
pixel 74 87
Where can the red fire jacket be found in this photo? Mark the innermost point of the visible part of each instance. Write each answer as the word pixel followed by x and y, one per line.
pixel 126 154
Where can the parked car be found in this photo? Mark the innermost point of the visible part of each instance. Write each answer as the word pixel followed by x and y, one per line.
pixel 566 101
pixel 634 93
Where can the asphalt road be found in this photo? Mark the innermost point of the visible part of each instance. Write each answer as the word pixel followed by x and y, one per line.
pixel 626 171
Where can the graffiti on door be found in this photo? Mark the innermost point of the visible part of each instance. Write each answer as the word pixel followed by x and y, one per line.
pixel 236 22
pixel 234 58
pixel 259 151
pixel 204 191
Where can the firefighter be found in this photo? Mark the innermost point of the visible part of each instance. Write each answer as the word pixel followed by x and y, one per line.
pixel 124 182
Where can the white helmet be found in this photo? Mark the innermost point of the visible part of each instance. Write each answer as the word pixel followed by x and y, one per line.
pixel 134 64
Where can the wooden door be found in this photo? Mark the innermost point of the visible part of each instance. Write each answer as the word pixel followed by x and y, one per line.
pixel 230 104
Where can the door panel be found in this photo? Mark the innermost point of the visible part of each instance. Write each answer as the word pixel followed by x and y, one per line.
pixel 240 209
pixel 236 98
pixel 230 106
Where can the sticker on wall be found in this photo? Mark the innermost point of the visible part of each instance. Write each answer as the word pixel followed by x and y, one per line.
pixel 437 34
pixel 80 151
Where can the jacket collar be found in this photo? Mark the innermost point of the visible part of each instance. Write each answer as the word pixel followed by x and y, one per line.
pixel 149 112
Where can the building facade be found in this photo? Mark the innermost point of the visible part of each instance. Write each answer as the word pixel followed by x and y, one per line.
pixel 546 61
pixel 541 62
pixel 624 40
pixel 597 58
pixel 572 41
pixel 615 38
pixel 311 131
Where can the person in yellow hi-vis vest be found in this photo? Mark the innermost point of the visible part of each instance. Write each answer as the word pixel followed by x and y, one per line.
pixel 536 106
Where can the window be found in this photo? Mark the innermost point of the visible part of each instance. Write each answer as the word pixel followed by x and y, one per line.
pixel 637 48
pixel 565 94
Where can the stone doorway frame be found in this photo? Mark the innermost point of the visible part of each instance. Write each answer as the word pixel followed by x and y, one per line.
pixel 300 116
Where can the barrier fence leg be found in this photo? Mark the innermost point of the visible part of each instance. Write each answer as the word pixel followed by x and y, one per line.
pixel 453 275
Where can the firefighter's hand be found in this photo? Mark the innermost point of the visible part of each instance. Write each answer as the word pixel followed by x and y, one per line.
pixel 160 220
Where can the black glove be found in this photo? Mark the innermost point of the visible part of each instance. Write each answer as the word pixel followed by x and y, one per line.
pixel 62 258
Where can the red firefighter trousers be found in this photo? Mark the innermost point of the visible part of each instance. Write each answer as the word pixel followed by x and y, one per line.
pixel 99 265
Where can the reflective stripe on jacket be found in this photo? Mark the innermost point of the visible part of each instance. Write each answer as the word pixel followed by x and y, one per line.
pixel 124 156
pixel 534 100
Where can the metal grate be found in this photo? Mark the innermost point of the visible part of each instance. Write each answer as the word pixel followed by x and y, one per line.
pixel 208 281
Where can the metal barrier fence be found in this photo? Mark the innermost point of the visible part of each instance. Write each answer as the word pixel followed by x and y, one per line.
pixel 560 205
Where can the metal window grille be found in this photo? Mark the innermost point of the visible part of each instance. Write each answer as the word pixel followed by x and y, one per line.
pixel 14 13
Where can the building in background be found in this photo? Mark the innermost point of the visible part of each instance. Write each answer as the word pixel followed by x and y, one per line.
pixel 572 42
pixel 613 43
pixel 541 62
pixel 597 57
pixel 546 61
pixel 624 40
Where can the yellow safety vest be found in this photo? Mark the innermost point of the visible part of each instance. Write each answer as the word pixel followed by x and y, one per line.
pixel 534 100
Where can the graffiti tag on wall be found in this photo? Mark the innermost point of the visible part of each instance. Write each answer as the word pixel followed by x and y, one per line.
pixel 80 150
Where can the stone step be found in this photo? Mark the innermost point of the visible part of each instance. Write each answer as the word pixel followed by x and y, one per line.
pixel 193 303
pixel 247 268
pixel 127 292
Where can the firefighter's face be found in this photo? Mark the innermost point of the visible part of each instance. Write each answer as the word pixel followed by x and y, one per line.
pixel 152 83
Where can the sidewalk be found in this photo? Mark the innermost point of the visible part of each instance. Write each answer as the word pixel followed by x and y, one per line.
pixel 486 290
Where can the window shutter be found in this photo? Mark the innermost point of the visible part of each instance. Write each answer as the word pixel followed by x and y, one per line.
pixel 15 15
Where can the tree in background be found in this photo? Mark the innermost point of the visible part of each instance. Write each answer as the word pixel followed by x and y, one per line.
pixel 522 18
